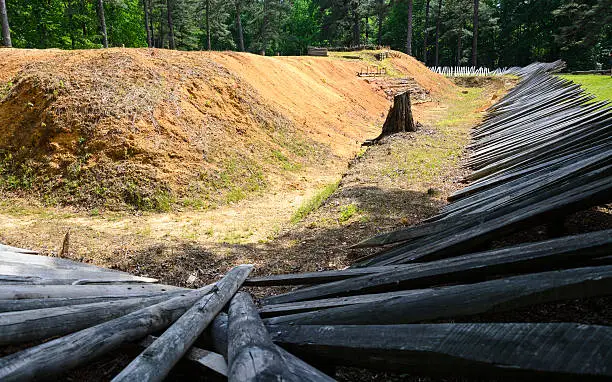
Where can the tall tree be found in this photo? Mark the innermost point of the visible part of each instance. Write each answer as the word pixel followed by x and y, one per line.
pixel 438 20
pixel 426 32
pixel 409 36
pixel 475 34
pixel 239 30
pixel 356 40
pixel 380 14
pixel 6 31
pixel 102 22
pixel 171 41
pixel 208 47
pixel 146 23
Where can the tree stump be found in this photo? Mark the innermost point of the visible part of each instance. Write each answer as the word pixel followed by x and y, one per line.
pixel 399 118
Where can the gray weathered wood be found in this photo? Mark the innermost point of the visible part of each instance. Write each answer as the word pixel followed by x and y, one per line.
pixel 40 324
pixel 206 358
pixel 158 359
pixel 43 303
pixel 218 335
pixel 18 292
pixel 565 252
pixel 45 275
pixel 307 306
pixel 462 300
pixel 50 262
pixel 61 354
pixel 545 350
pixel 252 355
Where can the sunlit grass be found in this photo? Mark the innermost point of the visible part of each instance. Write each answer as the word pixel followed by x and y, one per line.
pixel 597 84
pixel 314 203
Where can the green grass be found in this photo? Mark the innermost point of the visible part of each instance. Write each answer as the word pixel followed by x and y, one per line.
pixel 347 212
pixel 597 84
pixel 315 202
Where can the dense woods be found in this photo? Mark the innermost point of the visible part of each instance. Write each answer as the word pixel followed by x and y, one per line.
pixel 443 32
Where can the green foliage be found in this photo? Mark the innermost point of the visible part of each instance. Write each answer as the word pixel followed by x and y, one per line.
pixel 314 203
pixel 347 212
pixel 511 32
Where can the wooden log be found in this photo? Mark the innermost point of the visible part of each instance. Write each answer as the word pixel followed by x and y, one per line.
pixel 569 251
pixel 8 248
pixel 462 300
pixel 44 303
pixel 542 350
pixel 251 354
pixel 33 325
pixel 51 262
pixel 218 335
pixel 319 277
pixel 41 274
pixel 208 359
pixel 61 354
pixel 307 306
pixel 157 360
pixel 18 292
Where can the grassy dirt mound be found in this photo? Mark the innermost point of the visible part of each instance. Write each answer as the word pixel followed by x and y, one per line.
pixel 150 129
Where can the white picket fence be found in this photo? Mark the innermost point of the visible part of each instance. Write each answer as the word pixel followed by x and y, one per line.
pixel 466 71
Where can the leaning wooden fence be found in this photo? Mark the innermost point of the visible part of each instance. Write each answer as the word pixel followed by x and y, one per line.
pixel 542 152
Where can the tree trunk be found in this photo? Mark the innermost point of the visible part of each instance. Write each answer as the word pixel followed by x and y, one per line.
pixel 6 32
pixel 171 42
pixel 409 36
pixel 475 35
pixel 151 28
pixel 426 34
pixel 161 29
pixel 264 29
pixel 102 22
pixel 239 25
pixel 459 49
pixel 381 11
pixel 399 118
pixel 146 23
pixel 438 32
pixel 367 29
pixel 208 24
pixel 356 22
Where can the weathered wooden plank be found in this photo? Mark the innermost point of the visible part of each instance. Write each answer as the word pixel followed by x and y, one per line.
pixel 545 350
pixel 57 356
pixel 47 275
pixel 40 324
pixel 318 277
pixel 218 335
pixel 208 359
pixel 51 262
pixel 17 292
pixel 157 360
pixel 251 354
pixel 559 253
pixel 461 300
pixel 8 248
pixel 307 306
pixel 44 303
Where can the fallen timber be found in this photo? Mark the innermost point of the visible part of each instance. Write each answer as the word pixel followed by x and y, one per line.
pixel 466 299
pixel 514 349
pixel 541 152
pixel 566 252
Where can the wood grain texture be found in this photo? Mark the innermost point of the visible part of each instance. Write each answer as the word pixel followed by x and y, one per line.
pixel 19 292
pixel 461 300
pixel 549 350
pixel 157 360
pixel 252 355
pixel 40 324
pixel 61 354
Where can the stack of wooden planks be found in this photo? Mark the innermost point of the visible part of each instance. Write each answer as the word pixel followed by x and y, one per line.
pixel 542 152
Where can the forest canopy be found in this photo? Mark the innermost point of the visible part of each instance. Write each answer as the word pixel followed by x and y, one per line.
pixel 493 33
